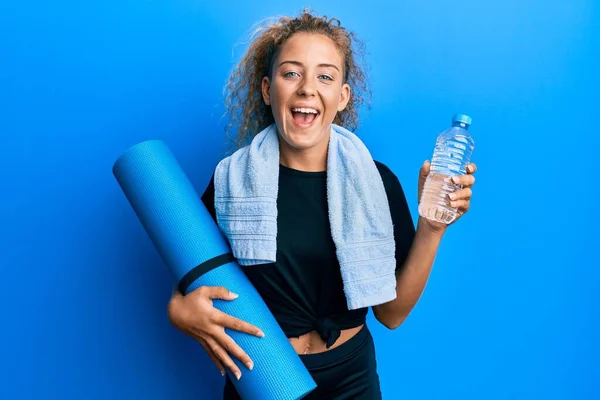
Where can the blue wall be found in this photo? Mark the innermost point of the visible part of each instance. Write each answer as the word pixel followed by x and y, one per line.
pixel 510 310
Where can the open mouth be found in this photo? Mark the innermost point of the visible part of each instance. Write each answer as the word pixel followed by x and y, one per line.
pixel 304 117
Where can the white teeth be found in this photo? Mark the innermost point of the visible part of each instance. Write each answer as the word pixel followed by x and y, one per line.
pixel 305 110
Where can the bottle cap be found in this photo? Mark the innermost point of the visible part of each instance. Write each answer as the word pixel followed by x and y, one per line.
pixel 461 118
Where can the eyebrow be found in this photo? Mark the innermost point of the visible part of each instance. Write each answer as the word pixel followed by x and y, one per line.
pixel 301 65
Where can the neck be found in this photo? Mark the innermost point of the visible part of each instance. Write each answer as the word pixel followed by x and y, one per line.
pixel 313 159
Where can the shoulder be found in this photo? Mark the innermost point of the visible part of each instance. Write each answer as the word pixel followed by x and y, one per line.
pixel 400 210
pixel 209 191
pixel 391 183
pixel 388 177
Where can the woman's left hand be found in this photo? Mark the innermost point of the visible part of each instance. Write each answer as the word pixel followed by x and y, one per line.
pixel 460 199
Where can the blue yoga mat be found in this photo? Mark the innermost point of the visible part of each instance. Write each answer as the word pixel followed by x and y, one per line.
pixel 197 254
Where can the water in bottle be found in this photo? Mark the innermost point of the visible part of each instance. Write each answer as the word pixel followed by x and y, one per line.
pixel 451 156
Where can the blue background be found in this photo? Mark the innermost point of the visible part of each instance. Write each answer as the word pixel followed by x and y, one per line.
pixel 510 309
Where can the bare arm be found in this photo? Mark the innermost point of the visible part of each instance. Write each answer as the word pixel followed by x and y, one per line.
pixel 412 277
pixel 415 271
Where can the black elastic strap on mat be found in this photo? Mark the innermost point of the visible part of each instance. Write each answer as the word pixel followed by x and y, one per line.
pixel 203 268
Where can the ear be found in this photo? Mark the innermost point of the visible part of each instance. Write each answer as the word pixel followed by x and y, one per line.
pixel 344 97
pixel 266 87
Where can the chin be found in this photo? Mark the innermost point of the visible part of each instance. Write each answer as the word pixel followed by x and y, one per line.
pixel 301 140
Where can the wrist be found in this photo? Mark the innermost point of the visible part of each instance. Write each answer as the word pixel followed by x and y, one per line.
pixel 431 228
pixel 176 311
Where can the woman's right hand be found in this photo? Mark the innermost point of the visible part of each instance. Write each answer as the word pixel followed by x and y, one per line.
pixel 195 315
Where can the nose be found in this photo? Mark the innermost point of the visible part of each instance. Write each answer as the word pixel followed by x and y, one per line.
pixel 307 88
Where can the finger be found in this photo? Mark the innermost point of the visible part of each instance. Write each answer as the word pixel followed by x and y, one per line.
pixel 219 292
pixel 223 357
pixel 464 180
pixel 461 204
pixel 471 168
pixel 425 168
pixel 465 193
pixel 231 322
pixel 212 356
pixel 234 349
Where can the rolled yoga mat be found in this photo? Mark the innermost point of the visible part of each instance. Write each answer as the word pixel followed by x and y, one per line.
pixel 197 254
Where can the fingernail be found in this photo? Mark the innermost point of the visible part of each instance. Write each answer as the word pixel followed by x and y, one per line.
pixel 222 373
pixel 471 168
pixel 233 295
pixel 238 375
pixel 455 179
pixel 250 365
pixel 452 196
pixel 453 203
pixel 261 334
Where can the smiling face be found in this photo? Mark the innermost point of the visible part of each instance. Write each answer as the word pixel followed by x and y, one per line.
pixel 306 90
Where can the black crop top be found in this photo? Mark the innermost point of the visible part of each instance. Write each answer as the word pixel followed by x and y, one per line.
pixel 303 288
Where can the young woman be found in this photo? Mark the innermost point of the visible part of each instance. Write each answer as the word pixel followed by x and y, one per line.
pixel 301 75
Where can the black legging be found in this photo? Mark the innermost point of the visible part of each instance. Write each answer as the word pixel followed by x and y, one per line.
pixel 347 372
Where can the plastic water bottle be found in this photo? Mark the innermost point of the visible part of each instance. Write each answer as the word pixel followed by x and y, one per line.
pixel 451 156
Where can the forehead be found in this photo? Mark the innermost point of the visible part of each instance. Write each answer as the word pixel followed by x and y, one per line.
pixel 310 48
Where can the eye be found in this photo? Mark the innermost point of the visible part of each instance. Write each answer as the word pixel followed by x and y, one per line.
pixel 326 77
pixel 287 74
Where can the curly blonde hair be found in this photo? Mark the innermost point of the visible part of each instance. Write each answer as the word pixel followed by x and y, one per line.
pixel 244 102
